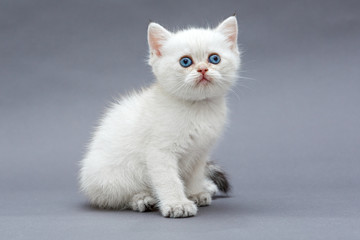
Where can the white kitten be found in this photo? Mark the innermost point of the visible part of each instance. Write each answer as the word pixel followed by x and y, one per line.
pixel 152 148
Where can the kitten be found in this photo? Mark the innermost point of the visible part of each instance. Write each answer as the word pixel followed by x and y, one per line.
pixel 152 148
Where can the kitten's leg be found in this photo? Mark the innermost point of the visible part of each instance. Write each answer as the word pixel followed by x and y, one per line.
pixel 198 186
pixel 164 174
pixel 142 201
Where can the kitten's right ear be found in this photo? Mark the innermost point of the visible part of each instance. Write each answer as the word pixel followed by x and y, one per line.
pixel 157 36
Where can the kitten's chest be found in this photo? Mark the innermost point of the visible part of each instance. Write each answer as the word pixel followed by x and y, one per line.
pixel 198 130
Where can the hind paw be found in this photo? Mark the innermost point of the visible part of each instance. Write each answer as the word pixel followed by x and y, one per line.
pixel 143 202
pixel 201 199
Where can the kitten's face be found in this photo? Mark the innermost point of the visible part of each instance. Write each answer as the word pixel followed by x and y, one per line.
pixel 195 64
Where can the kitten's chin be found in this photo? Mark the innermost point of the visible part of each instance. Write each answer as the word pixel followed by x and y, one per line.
pixel 195 89
pixel 203 90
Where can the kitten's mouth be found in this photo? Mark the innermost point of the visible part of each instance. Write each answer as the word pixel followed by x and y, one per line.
pixel 203 80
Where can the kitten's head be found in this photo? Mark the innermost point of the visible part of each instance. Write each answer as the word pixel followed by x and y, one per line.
pixel 195 64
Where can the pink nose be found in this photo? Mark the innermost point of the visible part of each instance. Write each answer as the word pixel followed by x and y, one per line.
pixel 203 70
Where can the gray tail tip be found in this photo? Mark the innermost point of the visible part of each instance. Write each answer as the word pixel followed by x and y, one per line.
pixel 219 177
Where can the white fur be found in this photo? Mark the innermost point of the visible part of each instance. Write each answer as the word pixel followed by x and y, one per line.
pixel 152 146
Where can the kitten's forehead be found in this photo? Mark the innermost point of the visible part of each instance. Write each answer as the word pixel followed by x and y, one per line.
pixel 196 42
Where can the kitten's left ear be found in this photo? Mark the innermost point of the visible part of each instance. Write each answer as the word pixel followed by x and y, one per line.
pixel 229 28
pixel 157 36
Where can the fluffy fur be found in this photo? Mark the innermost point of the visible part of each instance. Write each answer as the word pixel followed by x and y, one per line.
pixel 152 148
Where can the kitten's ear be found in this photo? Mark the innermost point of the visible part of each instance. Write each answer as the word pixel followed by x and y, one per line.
pixel 229 28
pixel 157 36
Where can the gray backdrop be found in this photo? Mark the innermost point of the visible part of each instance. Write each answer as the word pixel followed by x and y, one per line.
pixel 292 148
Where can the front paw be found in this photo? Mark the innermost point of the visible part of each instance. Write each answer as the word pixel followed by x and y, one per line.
pixel 179 209
pixel 201 199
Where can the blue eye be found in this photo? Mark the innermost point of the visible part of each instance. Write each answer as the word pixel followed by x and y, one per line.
pixel 185 62
pixel 214 59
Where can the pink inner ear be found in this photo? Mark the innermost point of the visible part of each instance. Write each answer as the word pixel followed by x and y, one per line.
pixel 231 33
pixel 155 45
pixel 232 38
pixel 158 53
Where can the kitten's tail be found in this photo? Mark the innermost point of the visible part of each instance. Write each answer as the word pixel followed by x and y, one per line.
pixel 218 176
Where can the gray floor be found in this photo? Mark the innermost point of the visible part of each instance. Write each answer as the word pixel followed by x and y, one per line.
pixel 291 150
